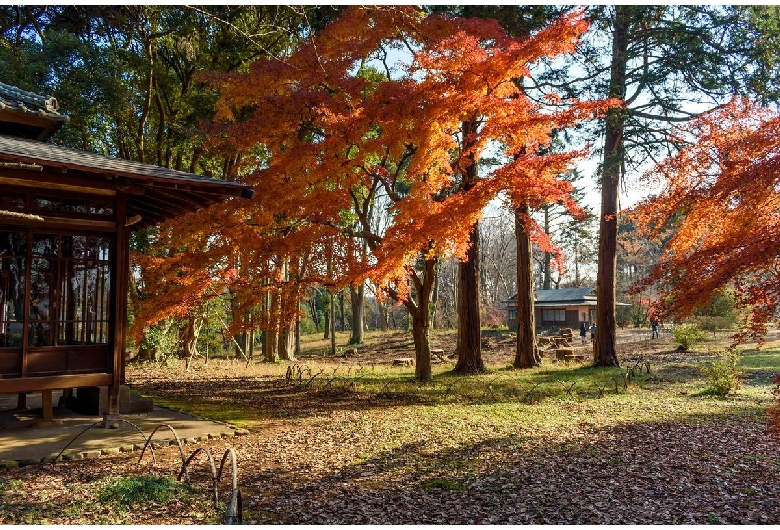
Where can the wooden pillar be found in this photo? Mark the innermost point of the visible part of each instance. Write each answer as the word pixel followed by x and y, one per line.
pixel 21 400
pixel 119 286
pixel 48 411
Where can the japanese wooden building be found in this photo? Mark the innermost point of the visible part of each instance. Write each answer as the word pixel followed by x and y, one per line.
pixel 65 221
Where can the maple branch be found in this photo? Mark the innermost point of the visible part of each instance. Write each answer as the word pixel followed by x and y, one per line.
pixel 369 237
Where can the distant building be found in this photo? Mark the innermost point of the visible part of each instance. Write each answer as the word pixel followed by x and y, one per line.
pixel 562 308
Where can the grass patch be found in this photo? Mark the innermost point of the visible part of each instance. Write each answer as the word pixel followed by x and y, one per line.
pixel 233 413
pixel 10 486
pixel 129 492
pixel 504 402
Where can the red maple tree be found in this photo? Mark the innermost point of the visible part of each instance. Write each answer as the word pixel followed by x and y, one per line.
pixel 721 206
pixel 328 141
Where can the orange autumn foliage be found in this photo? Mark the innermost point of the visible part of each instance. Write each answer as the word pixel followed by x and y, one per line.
pixel 336 140
pixel 721 203
pixel 326 142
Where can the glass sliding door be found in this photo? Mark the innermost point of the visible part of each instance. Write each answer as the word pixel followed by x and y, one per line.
pixel 55 298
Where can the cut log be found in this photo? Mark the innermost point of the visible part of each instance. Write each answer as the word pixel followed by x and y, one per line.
pixel 403 361
pixel 438 354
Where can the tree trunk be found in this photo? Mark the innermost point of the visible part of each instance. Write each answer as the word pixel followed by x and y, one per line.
pixel 547 280
pixel 469 325
pixel 190 339
pixel 383 316
pixel 419 315
pixel 527 354
pixel 422 348
pixel 287 342
pixel 435 300
pixel 314 314
pixel 332 324
pixel 342 318
pixel 604 352
pixel 329 312
pixel 297 335
pixel 357 299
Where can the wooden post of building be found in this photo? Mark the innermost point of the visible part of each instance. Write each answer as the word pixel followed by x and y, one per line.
pixel 111 417
pixel 46 401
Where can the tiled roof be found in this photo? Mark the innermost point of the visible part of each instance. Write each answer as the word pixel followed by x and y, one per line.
pixel 16 100
pixel 573 296
pixel 168 192
pixel 16 97
pixel 579 294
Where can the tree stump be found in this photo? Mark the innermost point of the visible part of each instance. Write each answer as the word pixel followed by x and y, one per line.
pixel 438 354
pixel 403 361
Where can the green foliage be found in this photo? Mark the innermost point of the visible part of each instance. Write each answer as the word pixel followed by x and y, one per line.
pixel 162 339
pixel 687 335
pixel 720 313
pixel 724 376
pixel 636 314
pixel 134 491
pixel 308 327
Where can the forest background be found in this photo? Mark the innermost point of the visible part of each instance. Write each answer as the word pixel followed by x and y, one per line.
pixel 193 89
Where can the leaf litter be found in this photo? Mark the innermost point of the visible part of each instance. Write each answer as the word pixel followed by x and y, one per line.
pixel 370 462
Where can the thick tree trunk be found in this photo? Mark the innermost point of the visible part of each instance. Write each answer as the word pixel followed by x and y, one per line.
pixel 605 352
pixel 527 354
pixel 357 299
pixel 422 348
pixel 420 319
pixel 469 324
pixel 190 339
pixel 287 342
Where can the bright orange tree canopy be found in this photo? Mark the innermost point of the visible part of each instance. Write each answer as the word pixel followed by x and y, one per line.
pixel 331 135
pixel 721 203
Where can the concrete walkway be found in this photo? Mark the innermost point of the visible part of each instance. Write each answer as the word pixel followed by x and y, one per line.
pixel 25 439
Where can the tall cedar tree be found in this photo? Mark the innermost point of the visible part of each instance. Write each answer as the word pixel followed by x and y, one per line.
pixel 662 59
pixel 328 143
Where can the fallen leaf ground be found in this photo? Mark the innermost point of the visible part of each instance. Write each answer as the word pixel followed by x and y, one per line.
pixel 354 441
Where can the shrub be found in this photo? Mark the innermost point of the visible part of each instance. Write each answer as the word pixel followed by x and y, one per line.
pixel 687 335
pixel 723 375
pixel 713 324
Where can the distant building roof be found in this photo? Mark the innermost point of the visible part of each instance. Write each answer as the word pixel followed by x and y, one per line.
pixel 29 115
pixel 562 297
pixel 573 296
